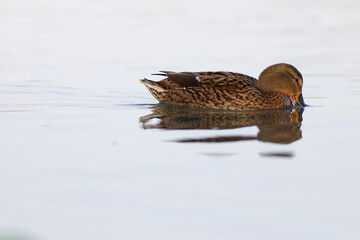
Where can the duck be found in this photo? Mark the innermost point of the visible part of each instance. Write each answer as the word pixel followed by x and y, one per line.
pixel 278 86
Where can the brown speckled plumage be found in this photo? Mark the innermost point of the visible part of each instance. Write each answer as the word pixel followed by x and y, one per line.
pixel 279 86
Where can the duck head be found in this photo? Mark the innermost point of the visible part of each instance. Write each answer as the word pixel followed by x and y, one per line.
pixel 283 78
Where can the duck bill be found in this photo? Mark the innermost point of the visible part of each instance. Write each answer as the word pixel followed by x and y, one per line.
pixel 299 100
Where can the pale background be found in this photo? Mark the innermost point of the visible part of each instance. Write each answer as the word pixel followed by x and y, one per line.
pixel 75 163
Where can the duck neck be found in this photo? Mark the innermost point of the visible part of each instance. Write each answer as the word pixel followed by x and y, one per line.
pixel 264 87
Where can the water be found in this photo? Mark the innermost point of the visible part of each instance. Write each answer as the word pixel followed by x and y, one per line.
pixel 87 153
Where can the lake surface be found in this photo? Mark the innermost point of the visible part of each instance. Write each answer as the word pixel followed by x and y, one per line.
pixel 87 153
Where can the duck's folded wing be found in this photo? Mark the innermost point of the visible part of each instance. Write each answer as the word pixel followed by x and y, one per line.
pixel 225 80
pixel 209 79
pixel 182 79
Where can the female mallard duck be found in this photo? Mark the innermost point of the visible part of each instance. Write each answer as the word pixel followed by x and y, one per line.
pixel 279 86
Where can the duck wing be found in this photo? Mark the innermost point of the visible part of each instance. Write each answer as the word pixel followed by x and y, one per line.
pixel 222 80
pixel 181 79
pixel 226 80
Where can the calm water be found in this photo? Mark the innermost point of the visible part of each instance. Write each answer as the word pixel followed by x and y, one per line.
pixel 87 153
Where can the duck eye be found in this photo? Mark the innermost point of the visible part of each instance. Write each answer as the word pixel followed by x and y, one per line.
pixel 296 80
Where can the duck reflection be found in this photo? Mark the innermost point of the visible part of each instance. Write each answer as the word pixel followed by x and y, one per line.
pixel 275 126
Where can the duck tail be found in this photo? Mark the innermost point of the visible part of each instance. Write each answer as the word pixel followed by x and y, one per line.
pixel 156 89
pixel 152 85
